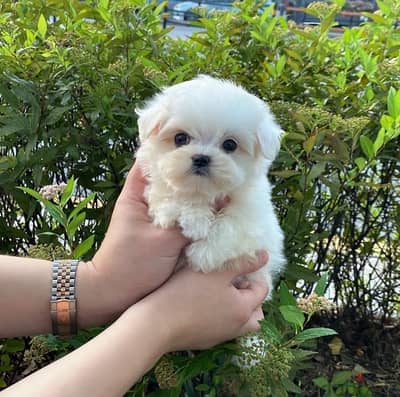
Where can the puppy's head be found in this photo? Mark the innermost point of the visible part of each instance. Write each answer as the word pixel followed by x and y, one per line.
pixel 206 136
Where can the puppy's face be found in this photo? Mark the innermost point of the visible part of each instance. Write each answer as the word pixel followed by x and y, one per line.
pixel 196 161
pixel 206 136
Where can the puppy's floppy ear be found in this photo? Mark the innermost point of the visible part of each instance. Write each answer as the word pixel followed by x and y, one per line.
pixel 269 137
pixel 151 119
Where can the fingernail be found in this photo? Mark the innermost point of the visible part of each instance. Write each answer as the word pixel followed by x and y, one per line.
pixel 262 257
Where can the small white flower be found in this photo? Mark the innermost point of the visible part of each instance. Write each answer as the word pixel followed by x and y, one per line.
pixel 314 304
pixel 51 192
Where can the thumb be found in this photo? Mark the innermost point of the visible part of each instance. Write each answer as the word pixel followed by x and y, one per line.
pixel 246 264
pixel 135 184
pixel 253 324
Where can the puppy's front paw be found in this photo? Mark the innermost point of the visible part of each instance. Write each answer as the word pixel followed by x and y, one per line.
pixel 164 221
pixel 195 225
pixel 164 217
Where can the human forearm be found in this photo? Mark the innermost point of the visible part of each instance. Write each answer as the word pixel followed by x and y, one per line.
pixel 25 285
pixel 134 259
pixel 107 365
pixel 190 311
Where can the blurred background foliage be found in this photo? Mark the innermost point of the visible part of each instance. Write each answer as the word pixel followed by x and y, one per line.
pixel 72 73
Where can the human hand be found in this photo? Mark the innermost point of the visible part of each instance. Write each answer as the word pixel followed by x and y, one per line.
pixel 197 310
pixel 135 257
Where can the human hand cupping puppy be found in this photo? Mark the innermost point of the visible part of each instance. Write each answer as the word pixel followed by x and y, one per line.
pixel 196 311
pixel 143 255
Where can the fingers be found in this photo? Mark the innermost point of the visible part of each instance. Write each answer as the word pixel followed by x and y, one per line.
pixel 256 292
pixel 135 184
pixel 253 324
pixel 246 265
pixel 241 282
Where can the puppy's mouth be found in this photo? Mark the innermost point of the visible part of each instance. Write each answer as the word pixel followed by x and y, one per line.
pixel 201 171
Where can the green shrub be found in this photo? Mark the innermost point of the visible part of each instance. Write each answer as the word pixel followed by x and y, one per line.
pixel 73 72
pixel 337 177
pixel 68 93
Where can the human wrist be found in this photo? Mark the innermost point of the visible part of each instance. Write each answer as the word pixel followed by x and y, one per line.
pixel 159 333
pixel 119 288
pixel 94 307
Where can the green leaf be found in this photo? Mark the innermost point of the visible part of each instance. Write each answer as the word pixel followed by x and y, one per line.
pixel 292 314
pixel 16 124
pixel 42 26
pixel 2 383
pixel 293 54
pixel 387 122
pixel 83 247
pixel 280 65
pixel 379 19
pixel 270 331
pixel 360 162
pixel 369 94
pixel 341 377
pixel 321 382
pixel 385 7
pixel 393 102
pixel 202 387
pixel 104 3
pixel 296 272
pixel 73 226
pixel 9 96
pixel 313 333
pixel 367 147
pixel 5 363
pixel 286 298
pixel 316 170
pixel 295 136
pixel 302 355
pixel 291 387
pixel 32 193
pixel 340 3
pixel 55 212
pixel 309 143
pixel 68 191
pixel 267 12
pixel 81 206
pixel 285 173
pixel 379 141
pixel 7 162
pixel 321 285
pixel 13 345
pixel 49 234
pixel 56 114
pixel 201 363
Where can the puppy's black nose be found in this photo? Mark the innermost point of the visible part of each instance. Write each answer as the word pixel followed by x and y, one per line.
pixel 200 160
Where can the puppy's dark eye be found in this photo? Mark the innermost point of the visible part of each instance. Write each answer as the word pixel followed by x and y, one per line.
pixel 182 139
pixel 229 145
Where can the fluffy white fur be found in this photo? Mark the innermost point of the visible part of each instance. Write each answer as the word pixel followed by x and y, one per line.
pixel 210 111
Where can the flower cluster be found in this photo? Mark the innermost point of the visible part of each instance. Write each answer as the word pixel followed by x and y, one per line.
pixel 263 365
pixel 37 352
pixel 117 67
pixel 321 9
pixel 165 373
pixel 51 192
pixel 314 304
pixel 312 117
pixel 49 252
pixel 390 66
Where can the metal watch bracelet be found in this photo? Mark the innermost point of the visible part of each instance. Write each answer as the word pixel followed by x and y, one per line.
pixel 63 300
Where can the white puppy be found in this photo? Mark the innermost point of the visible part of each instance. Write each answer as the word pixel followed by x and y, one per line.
pixel 203 141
